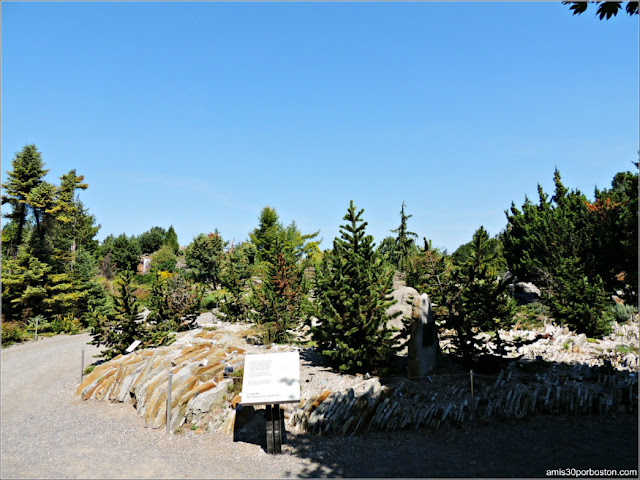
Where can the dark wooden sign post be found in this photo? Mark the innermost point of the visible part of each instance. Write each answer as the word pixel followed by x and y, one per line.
pixel 274 430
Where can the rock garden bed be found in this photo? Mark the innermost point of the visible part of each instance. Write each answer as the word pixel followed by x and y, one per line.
pixel 543 375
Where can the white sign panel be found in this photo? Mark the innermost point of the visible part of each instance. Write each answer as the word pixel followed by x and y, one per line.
pixel 271 378
pixel 132 347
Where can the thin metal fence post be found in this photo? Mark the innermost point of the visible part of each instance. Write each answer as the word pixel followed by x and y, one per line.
pixel 473 401
pixel 169 403
pixel 82 365
pixel 36 328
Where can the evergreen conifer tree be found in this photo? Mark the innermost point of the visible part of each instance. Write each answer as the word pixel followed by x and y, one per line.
pixel 352 289
pixel 151 240
pixel 84 279
pixel 171 239
pixel 26 174
pixel 470 295
pixel 46 226
pixel 404 244
pixel 119 328
pixel 235 305
pixel 124 252
pixel 74 228
pixel 568 245
pixel 24 281
pixel 279 302
pixel 203 257
pixel 267 235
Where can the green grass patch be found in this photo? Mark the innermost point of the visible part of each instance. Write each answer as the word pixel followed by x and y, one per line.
pixel 236 387
pixel 625 349
pixel 146 279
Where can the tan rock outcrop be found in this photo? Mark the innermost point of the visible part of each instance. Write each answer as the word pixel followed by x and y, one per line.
pixel 198 380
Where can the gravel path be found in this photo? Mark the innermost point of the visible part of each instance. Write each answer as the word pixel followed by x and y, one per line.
pixel 47 432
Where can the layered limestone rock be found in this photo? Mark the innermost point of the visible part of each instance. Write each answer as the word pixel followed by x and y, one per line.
pixel 558 344
pixel 581 390
pixel 198 384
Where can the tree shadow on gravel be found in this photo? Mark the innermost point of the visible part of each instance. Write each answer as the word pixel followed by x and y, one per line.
pixel 533 447
pixel 527 448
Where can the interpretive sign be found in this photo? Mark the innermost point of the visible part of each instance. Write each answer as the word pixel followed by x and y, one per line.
pixel 271 378
pixel 132 347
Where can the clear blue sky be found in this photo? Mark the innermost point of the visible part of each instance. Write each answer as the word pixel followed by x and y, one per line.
pixel 198 115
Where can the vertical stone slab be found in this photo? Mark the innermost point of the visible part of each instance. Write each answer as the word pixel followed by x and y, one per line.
pixel 423 339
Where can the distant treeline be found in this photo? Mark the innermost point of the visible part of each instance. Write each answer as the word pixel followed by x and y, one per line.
pixel 578 252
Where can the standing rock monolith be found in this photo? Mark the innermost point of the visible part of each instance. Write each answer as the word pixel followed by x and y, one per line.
pixel 423 340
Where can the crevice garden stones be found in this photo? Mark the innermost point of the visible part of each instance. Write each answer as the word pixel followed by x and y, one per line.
pixel 141 378
pixel 385 408
pixel 584 383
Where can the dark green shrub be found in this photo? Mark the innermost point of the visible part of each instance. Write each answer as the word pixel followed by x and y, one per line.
pixel 578 303
pixel 146 279
pixel 210 301
pixel 12 332
pixel 577 252
pixel 531 314
pixel 621 313
pixel 164 259
pixel 65 324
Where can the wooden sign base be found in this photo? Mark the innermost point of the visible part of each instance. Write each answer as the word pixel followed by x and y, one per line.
pixel 274 430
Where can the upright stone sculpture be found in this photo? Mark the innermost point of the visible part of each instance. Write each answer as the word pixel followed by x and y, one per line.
pixel 423 340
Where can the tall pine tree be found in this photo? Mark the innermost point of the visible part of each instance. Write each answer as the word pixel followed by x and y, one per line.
pixel 404 244
pixel 27 172
pixel 235 305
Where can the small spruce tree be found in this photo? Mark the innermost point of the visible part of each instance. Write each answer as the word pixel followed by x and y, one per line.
pixel 235 305
pixel 470 295
pixel 353 287
pixel 119 327
pixel 279 302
